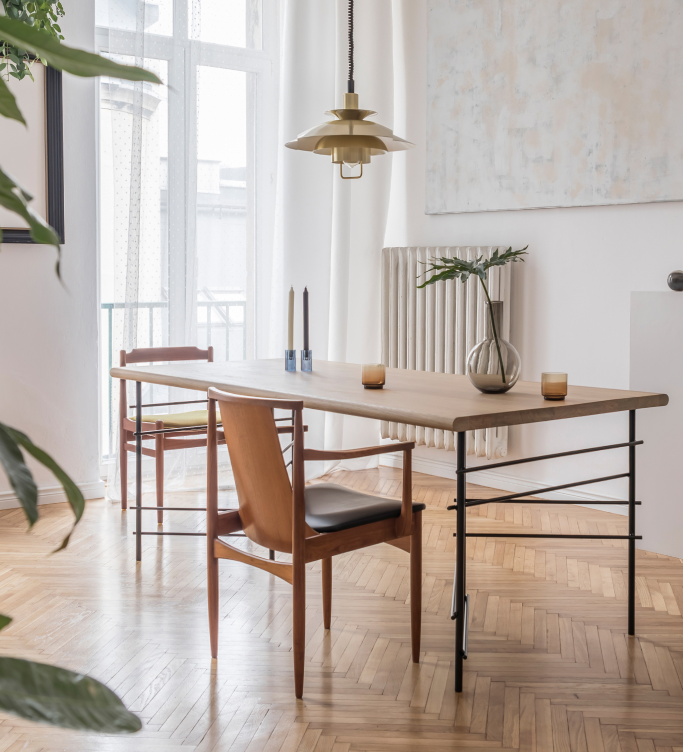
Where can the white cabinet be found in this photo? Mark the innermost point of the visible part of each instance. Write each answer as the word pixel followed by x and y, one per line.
pixel 657 366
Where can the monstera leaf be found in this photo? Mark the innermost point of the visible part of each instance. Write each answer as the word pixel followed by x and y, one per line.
pixel 22 481
pixel 49 694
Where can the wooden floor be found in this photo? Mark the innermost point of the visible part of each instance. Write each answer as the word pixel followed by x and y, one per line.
pixel 550 666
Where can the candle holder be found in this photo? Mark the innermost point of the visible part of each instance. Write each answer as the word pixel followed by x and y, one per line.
pixel 290 360
pixel 373 375
pixel 554 386
pixel 307 360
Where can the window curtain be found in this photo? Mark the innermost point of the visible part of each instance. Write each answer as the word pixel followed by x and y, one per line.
pixel 329 232
pixel 178 197
pixel 311 228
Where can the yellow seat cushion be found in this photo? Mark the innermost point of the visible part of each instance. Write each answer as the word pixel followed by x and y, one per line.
pixel 180 420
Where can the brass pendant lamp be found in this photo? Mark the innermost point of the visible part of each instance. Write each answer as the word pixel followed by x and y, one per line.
pixel 350 140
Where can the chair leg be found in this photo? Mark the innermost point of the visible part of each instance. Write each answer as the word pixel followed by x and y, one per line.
pixel 327 592
pixel 212 580
pixel 159 470
pixel 416 585
pixel 299 629
pixel 123 462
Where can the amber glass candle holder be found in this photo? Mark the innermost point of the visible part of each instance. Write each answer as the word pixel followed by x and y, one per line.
pixel 554 386
pixel 374 375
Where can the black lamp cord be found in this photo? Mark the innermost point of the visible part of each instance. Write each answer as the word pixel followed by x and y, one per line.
pixel 351 82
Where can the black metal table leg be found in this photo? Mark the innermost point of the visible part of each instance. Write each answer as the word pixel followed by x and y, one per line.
pixel 461 542
pixel 138 471
pixel 632 523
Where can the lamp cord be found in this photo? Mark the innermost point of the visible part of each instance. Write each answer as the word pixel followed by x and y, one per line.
pixel 351 82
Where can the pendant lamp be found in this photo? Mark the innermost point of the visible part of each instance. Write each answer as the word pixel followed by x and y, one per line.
pixel 350 139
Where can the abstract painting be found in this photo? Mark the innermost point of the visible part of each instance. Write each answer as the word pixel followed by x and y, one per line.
pixel 553 104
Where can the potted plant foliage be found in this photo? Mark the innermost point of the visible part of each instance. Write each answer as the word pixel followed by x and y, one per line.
pixel 493 365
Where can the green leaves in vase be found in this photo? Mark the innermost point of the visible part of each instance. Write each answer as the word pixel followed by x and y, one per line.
pixel 455 268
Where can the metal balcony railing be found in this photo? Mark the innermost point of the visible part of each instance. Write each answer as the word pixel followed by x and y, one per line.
pixel 221 323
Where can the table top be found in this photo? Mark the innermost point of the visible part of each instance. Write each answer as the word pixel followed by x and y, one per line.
pixel 421 398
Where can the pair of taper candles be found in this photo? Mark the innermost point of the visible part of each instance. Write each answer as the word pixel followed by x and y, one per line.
pixel 306 354
pixel 290 320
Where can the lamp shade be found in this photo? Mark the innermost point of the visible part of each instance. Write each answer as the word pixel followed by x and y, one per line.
pixel 349 139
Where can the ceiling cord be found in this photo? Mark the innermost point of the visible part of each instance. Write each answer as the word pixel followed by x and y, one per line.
pixel 351 82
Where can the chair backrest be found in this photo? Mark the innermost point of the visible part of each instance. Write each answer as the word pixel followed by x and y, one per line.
pixel 156 355
pixel 264 491
pixel 165 354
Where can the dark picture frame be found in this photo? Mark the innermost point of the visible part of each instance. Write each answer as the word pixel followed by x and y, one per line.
pixel 54 156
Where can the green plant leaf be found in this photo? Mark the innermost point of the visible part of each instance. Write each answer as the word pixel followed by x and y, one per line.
pixel 73 494
pixel 4 621
pixel 18 473
pixel 49 694
pixel 74 61
pixel 8 104
pixel 454 268
pixel 15 198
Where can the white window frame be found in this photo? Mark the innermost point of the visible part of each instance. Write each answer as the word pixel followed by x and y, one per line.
pixel 183 55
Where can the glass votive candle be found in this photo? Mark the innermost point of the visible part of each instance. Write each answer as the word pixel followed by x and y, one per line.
pixel 374 375
pixel 554 386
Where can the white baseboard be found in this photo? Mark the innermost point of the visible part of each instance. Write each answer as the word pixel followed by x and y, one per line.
pixel 504 482
pixel 53 494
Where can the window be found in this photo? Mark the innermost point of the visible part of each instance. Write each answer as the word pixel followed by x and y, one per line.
pixel 180 195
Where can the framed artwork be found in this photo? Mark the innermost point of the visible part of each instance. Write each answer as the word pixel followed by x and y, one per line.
pixel 34 155
pixel 553 104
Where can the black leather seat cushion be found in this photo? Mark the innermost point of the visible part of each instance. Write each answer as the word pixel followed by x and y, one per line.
pixel 330 508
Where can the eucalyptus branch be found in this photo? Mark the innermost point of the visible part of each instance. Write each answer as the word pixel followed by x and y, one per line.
pixel 455 268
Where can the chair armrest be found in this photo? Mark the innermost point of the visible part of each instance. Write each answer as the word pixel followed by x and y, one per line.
pixel 350 454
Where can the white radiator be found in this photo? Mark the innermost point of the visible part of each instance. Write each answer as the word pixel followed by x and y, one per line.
pixel 434 329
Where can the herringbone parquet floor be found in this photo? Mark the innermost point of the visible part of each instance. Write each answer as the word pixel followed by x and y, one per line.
pixel 550 666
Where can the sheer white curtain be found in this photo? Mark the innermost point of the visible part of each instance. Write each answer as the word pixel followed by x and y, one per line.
pixel 184 200
pixel 205 213
pixel 329 232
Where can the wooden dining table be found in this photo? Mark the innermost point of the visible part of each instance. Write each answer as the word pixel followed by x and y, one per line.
pixel 434 400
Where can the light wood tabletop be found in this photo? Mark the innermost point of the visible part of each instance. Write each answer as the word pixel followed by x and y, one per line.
pixel 422 398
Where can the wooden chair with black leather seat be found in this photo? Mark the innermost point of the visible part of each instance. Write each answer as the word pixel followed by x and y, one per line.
pixel 311 523
pixel 194 420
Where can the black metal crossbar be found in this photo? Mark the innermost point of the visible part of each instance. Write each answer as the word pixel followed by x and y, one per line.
pixel 524 460
pixel 183 509
pixel 551 535
pixel 478 502
pixel 510 497
pixel 460 599
pixel 166 404
pixel 196 535
pixel 170 430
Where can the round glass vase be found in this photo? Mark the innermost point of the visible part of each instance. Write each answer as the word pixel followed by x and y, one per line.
pixel 494 366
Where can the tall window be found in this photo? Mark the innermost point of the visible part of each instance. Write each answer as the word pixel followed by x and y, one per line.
pixel 182 179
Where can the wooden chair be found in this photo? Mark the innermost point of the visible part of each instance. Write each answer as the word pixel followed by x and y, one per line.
pixel 311 523
pixel 162 443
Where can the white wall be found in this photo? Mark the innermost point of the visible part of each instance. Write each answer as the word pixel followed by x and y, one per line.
pixel 48 334
pixel 571 297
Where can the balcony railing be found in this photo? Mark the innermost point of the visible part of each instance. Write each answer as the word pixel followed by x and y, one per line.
pixel 221 323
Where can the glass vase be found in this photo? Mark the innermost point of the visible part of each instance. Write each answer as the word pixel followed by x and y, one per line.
pixel 494 365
